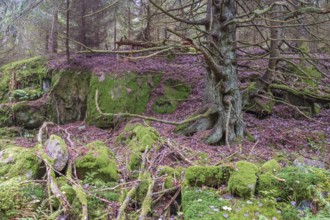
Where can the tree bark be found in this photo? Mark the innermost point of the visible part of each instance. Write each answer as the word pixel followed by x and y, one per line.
pixel 67 31
pixel 54 34
pixel 222 92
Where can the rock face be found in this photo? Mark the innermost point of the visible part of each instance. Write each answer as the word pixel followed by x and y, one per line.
pixel 28 115
pixel 57 150
pixel 68 102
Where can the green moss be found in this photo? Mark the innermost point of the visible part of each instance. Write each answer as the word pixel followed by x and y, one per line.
pixel 6 116
pixel 175 91
pixel 211 176
pixel 270 166
pixel 138 137
pixel 99 160
pixel 243 180
pixel 29 74
pixel 26 94
pixel 254 209
pixel 142 190
pixel 268 186
pixel 203 204
pixel 128 93
pixel 17 199
pixel 19 162
pixel 170 174
pixel 307 74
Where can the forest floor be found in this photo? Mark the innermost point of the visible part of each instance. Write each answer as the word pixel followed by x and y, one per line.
pixel 284 133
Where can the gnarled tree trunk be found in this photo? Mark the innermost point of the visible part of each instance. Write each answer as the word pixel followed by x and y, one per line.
pixel 225 124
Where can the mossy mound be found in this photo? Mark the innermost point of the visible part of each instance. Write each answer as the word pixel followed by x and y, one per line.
pixel 99 160
pixel 21 75
pixel 26 94
pixel 18 199
pixel 211 176
pixel 171 176
pixel 271 166
pixel 260 105
pixel 243 180
pixel 138 137
pixel 69 96
pixel 175 92
pixel 19 162
pixel 128 93
pixel 293 183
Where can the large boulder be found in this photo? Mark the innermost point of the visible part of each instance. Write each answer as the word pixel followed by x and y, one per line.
pixel 57 150
pixel 129 92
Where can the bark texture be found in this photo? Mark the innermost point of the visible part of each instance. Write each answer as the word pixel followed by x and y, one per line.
pixel 222 93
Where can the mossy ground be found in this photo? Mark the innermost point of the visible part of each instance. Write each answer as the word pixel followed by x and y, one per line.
pixel 175 92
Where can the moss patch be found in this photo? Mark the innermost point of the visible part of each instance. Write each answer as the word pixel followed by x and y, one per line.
pixel 99 160
pixel 211 176
pixel 270 166
pixel 19 162
pixel 171 176
pixel 128 93
pixel 138 137
pixel 17 199
pixel 243 180
pixel 29 74
pixel 175 91
pixel 200 203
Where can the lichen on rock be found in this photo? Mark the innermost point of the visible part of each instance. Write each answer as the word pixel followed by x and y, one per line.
pixel 57 150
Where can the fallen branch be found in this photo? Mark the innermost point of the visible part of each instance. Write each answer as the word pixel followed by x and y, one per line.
pixel 206 114
pixel 147 202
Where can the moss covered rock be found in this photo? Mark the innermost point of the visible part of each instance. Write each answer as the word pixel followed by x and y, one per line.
pixel 69 96
pixel 29 115
pixel 211 176
pixel 243 180
pixel 175 91
pixel 127 93
pixel 271 166
pixel 99 160
pixel 57 150
pixel 19 162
